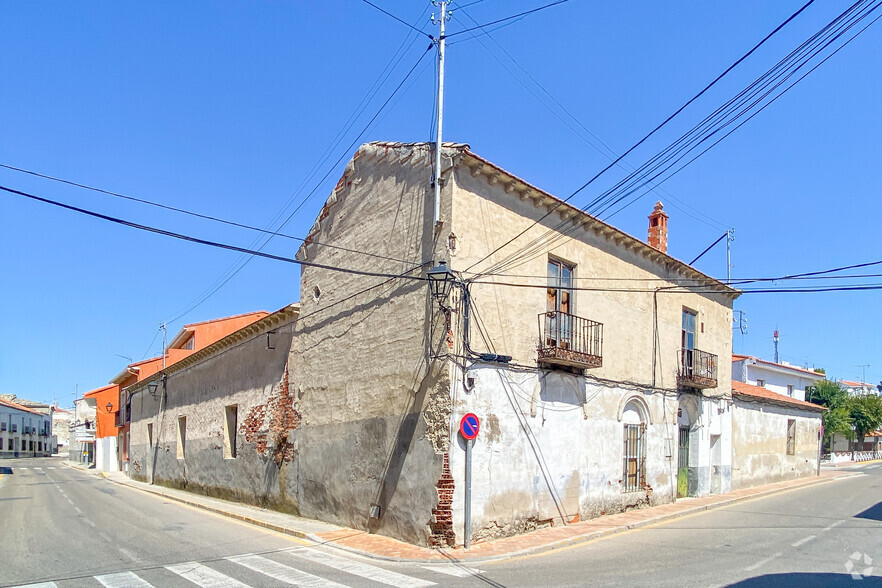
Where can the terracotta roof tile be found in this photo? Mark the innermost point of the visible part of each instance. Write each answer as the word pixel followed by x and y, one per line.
pixel 16 406
pixel 763 394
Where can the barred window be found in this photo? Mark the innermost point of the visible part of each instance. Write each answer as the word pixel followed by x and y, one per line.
pixel 634 418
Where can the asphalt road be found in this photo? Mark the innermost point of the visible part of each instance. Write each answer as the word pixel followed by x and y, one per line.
pixel 64 527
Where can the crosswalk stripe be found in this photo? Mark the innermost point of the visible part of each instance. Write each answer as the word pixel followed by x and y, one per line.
pixel 38 468
pixel 204 576
pixel 40 585
pixel 31 584
pixel 281 572
pixel 454 570
pixel 123 580
pixel 364 570
pixel 50 468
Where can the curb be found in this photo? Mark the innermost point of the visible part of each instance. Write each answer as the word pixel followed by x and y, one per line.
pixel 463 558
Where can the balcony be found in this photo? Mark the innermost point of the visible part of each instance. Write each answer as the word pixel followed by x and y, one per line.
pixel 569 340
pixel 696 369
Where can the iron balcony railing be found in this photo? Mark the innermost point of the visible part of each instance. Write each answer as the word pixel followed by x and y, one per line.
pixel 570 340
pixel 697 369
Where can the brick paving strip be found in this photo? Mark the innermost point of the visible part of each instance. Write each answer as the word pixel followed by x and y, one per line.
pixel 546 539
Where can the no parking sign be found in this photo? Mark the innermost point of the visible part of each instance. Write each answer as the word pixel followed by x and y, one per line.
pixel 469 426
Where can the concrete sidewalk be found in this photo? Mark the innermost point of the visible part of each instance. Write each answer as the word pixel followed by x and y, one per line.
pixel 546 539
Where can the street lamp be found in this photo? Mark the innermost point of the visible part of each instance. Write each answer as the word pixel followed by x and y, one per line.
pixel 109 406
pixel 441 280
pixel 151 387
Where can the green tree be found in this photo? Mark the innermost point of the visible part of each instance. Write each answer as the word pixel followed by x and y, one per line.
pixel 838 418
pixel 865 414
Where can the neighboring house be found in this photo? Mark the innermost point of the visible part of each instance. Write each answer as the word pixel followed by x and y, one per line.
pixel 61 420
pixel 190 339
pixel 621 397
pixel 45 442
pixel 106 399
pixel 24 431
pixel 781 378
pixel 218 421
pixel 82 431
pixel 129 376
pixel 774 437
pixel 859 388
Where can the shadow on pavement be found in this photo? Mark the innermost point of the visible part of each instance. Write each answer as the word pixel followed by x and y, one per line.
pixel 5 470
pixel 874 513
pixel 805 580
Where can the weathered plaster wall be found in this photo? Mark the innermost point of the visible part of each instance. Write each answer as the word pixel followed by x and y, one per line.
pixel 550 448
pixel 374 399
pixel 486 215
pixel 247 374
pixel 759 444
pixel 710 442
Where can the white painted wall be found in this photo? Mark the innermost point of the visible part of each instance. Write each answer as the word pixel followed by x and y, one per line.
pixel 21 441
pixel 759 443
pixel 556 435
pixel 105 454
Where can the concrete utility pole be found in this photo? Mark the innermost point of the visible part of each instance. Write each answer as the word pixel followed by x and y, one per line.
pixel 444 17
pixel 164 335
pixel 730 236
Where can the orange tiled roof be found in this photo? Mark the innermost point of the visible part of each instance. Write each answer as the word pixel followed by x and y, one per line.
pixel 257 313
pixel 11 404
pixel 852 384
pixel 98 391
pixel 763 394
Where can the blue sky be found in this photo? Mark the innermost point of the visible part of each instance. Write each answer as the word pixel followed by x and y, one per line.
pixel 224 108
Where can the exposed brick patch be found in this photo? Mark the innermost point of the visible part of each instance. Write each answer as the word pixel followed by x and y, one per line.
pixel 267 425
pixel 442 515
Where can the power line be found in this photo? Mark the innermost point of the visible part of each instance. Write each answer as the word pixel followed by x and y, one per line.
pixel 607 151
pixel 507 18
pixel 392 16
pixel 812 275
pixel 648 135
pixel 311 193
pixel 709 247
pixel 231 272
pixel 717 121
pixel 839 26
pixel 200 241
pixel 763 107
pixel 194 214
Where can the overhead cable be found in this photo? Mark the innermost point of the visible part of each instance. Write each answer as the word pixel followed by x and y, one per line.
pixel 392 16
pixel 507 18
pixel 817 43
pixel 648 135
pixel 194 214
pixel 200 241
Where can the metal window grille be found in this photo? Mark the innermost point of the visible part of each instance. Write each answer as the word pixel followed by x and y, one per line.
pixel 634 458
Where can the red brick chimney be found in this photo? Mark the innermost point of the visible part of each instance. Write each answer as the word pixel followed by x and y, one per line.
pixel 658 228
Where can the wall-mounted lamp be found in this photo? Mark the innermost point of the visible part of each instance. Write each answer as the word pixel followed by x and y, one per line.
pixel 151 387
pixel 441 280
pixel 109 406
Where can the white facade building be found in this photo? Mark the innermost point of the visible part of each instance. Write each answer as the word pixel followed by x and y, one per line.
pixel 781 378
pixel 859 388
pixel 82 431
pixel 24 432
